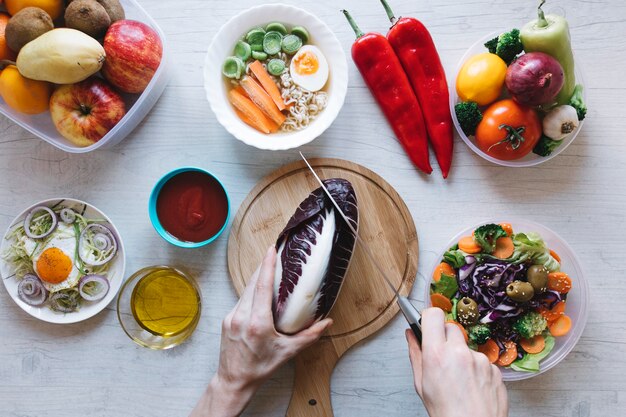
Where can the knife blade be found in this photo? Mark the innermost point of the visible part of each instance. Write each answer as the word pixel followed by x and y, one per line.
pixel 411 314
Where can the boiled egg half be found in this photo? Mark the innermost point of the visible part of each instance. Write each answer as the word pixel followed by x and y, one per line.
pixel 309 68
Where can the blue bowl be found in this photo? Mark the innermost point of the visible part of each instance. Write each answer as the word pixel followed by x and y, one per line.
pixel 154 218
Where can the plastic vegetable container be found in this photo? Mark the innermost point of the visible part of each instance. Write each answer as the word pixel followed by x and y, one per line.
pixel 531 159
pixel 577 299
pixel 137 108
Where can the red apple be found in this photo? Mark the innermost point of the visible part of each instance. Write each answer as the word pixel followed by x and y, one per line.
pixel 133 54
pixel 84 112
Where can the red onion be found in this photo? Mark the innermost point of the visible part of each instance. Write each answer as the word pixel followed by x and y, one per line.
pixel 534 78
pixel 29 219
pixel 31 290
pixel 103 240
pixel 64 301
pixel 93 287
pixel 68 215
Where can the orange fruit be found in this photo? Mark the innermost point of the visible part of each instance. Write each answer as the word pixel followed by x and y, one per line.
pixel 23 94
pixel 53 7
pixel 5 51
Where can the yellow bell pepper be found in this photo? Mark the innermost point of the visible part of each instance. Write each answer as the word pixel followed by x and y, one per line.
pixel 481 79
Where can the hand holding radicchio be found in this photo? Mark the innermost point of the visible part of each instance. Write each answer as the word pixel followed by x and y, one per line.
pixel 314 251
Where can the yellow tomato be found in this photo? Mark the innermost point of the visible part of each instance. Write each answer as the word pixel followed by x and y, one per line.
pixel 481 79
pixel 52 7
pixel 22 94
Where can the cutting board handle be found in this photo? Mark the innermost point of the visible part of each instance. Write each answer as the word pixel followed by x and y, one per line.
pixel 311 387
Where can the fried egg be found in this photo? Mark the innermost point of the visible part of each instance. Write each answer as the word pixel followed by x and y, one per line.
pixel 309 68
pixel 54 258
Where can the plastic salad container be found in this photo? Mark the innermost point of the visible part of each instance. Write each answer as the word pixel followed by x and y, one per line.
pixel 531 159
pixel 577 298
pixel 138 106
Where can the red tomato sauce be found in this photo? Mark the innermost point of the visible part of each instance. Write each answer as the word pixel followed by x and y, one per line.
pixel 192 206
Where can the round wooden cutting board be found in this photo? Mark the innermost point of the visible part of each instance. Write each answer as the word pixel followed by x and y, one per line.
pixel 365 303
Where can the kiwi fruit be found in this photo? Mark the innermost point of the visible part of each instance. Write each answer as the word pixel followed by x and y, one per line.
pixel 88 16
pixel 26 25
pixel 114 9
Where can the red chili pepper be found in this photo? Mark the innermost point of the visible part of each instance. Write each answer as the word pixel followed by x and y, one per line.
pixel 416 50
pixel 383 74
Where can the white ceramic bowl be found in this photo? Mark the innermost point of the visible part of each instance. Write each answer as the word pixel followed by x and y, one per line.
pixel 577 299
pixel 222 47
pixel 137 106
pixel 88 309
pixel 529 160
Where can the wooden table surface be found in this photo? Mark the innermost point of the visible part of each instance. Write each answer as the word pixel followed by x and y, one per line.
pixel 93 369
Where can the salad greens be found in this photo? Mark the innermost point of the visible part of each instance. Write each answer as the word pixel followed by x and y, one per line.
pixel 530 247
pixel 447 286
pixel 530 361
pixel 487 235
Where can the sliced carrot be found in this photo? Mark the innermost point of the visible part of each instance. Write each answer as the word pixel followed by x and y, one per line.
pixel 509 355
pixel 553 314
pixel 250 111
pixel 460 326
pixel 533 345
pixel 561 326
pixel 260 97
pixel 441 301
pixel 507 228
pixel 468 245
pixel 268 84
pixel 490 349
pixel 555 256
pixel 443 268
pixel 559 281
pixel 504 248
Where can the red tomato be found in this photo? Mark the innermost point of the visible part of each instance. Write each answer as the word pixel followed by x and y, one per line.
pixel 508 130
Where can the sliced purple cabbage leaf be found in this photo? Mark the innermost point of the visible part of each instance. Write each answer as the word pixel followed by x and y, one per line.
pixel 314 252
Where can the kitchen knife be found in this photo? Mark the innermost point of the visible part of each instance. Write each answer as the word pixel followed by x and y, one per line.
pixel 411 314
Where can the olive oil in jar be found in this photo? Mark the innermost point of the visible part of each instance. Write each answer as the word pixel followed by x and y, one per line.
pixel 165 303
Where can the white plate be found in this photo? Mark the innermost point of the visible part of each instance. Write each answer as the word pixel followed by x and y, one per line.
pixel 88 309
pixel 222 46
pixel 577 299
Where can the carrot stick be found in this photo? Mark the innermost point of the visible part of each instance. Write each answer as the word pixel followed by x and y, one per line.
pixel 252 113
pixel 490 349
pixel 507 228
pixel 559 281
pixel 533 345
pixel 460 326
pixel 250 122
pixel 468 245
pixel 443 268
pixel 268 84
pixel 509 355
pixel 441 301
pixel 555 256
pixel 561 326
pixel 504 248
pixel 259 97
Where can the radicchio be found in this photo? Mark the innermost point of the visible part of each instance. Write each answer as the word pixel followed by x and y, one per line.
pixel 314 251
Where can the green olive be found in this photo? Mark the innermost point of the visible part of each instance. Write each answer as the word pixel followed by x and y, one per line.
pixel 520 291
pixel 467 311
pixel 537 275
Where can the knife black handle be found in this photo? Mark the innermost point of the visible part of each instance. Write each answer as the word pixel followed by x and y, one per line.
pixel 417 331
pixel 412 316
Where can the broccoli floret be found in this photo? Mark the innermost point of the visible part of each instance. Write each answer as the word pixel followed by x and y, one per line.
pixel 578 103
pixel 530 325
pixel 492 45
pixel 546 146
pixel 469 116
pixel 487 235
pixel 507 46
pixel 479 333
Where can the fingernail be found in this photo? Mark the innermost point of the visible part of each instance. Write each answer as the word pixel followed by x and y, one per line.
pixel 270 249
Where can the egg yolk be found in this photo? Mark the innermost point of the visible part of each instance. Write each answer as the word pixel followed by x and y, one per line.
pixel 306 63
pixel 53 266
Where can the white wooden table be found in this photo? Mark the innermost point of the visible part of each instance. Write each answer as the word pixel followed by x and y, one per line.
pixel 93 369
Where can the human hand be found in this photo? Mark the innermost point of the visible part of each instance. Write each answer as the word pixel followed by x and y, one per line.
pixel 251 348
pixel 452 379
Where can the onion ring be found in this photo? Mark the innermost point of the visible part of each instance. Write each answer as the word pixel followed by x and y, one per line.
pixel 29 219
pixel 64 302
pixel 32 291
pixel 103 240
pixel 68 215
pixel 96 291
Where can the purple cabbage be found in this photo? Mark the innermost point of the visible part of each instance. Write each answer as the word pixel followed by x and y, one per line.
pixel 314 251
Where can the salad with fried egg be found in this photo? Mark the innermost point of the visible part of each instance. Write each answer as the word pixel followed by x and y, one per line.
pixel 60 257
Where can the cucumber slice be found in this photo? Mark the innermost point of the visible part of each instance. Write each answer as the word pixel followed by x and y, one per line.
pixel 301 32
pixel 276 27
pixel 257 47
pixel 233 67
pixel 272 42
pixel 261 56
pixel 276 66
pixel 291 44
pixel 255 36
pixel 243 51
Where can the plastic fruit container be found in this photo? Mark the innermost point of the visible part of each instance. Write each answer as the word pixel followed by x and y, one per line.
pixel 531 159
pixel 577 299
pixel 137 106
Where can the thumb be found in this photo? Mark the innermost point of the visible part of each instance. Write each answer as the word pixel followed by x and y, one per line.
pixel 309 336
pixel 415 355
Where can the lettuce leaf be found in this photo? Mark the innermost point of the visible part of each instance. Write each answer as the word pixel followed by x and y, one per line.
pixel 530 361
pixel 447 286
pixel 530 247
pixel 455 258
